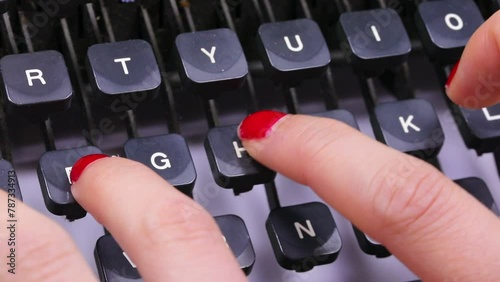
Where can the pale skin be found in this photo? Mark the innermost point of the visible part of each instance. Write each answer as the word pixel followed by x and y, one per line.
pixel 420 215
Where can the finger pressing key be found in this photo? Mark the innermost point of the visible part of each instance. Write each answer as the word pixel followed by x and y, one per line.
pixel 166 234
pixel 433 226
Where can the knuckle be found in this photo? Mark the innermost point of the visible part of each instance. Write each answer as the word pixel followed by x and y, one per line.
pixel 320 151
pixel 408 201
pixel 177 222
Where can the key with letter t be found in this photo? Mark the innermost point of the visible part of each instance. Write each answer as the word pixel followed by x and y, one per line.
pixel 36 84
pixel 446 26
pixel 410 126
pixel 211 61
pixel 123 68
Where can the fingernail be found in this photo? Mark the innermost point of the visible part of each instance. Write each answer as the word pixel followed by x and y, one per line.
pixel 452 74
pixel 258 125
pixel 82 163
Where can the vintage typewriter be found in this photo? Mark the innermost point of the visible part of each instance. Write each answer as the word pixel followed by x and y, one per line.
pixel 166 82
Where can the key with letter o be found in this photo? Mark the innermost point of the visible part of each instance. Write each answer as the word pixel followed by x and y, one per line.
pixel 446 26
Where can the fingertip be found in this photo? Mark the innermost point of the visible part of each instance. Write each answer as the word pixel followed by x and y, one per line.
pixel 82 164
pixel 259 125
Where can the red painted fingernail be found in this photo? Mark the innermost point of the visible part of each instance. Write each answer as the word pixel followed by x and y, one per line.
pixel 259 124
pixel 82 163
pixel 452 74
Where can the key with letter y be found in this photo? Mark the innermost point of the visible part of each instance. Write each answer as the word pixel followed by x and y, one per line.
pixel 211 61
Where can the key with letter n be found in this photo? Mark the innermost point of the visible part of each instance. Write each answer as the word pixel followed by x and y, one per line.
pixel 303 236
pixel 410 126
pixel 36 84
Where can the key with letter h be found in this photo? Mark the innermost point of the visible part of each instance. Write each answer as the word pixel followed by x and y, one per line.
pixel 123 68
pixel 446 26
pixel 54 168
pixel 373 40
pixel 36 84
pixel 231 165
pixel 293 50
pixel 211 61
pixel 303 236
pixel 410 126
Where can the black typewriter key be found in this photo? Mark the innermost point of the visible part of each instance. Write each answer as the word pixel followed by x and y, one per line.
pixel 54 168
pixel 36 84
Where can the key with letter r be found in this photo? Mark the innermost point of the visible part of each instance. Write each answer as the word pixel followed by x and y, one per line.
pixel 36 84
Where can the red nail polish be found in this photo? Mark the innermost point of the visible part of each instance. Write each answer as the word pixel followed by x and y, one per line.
pixel 258 125
pixel 452 74
pixel 82 163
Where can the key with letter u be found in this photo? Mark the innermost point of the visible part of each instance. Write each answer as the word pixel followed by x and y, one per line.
pixel 293 50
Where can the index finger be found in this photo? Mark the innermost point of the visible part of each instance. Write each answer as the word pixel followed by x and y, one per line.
pixel 166 234
pixel 439 231
pixel 475 82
